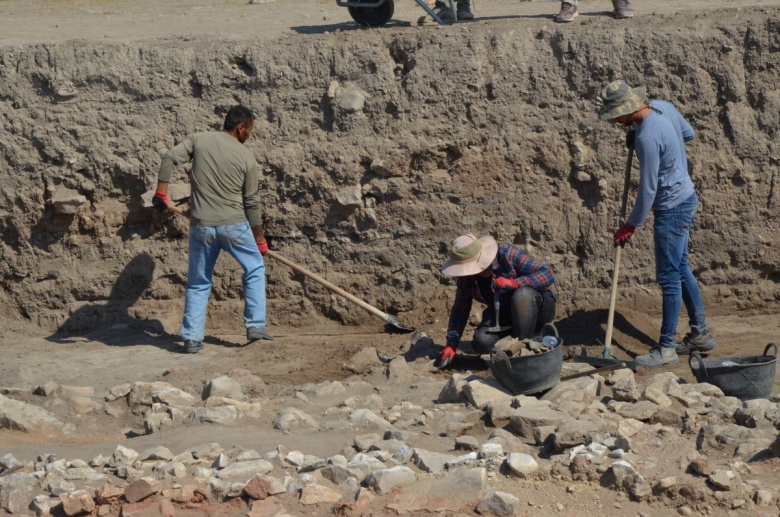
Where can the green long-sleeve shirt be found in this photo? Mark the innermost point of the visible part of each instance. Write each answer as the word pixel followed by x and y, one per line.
pixel 223 177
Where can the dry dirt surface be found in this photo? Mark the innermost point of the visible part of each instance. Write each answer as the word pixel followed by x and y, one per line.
pixel 487 127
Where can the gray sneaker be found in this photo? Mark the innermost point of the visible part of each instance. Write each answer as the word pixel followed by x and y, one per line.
pixel 191 346
pixel 703 342
pixel 658 357
pixel 622 9
pixel 567 13
pixel 464 10
pixel 256 334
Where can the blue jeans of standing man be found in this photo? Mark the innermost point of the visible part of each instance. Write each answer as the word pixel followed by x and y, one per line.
pixel 206 242
pixel 674 275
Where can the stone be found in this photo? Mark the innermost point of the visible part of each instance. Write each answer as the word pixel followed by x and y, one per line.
pixel 666 483
pixel 702 466
pixel 500 504
pixel 175 397
pixel 141 489
pixel 428 461
pixel 617 375
pixel 480 392
pixel 46 390
pixel 398 370
pixel 572 433
pixel 156 421
pixel 579 465
pixel 123 456
pixel 657 397
pixel 108 494
pixel 67 392
pixel 453 390
pixel 20 416
pixel 142 393
pixel 243 471
pixel 270 507
pixel 490 450
pixel 9 464
pixel 317 494
pixel 625 389
pixel 703 388
pixel 291 418
pixel 76 503
pixel 466 443
pixel 352 99
pixel 337 474
pixel 83 405
pixel 629 427
pixel 363 361
pixel 365 441
pixel 384 480
pixel 223 386
pixel 500 411
pixel 583 389
pixel 223 415
pixel 764 497
pixel 722 479
pixel 67 201
pixel 156 453
pixel 367 419
pixel 525 419
pixel 642 410
pixel 522 465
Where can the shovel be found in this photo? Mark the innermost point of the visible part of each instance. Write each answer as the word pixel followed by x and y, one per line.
pixel 389 319
pixel 605 359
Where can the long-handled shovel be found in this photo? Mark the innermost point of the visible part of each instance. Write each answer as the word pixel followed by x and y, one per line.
pixel 389 319
pixel 605 359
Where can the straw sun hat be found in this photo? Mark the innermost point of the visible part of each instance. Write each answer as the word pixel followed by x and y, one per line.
pixel 619 99
pixel 470 255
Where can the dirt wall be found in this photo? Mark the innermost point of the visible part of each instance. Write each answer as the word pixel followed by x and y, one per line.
pixel 377 148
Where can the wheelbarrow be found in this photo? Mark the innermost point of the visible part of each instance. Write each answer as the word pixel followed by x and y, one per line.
pixel 375 13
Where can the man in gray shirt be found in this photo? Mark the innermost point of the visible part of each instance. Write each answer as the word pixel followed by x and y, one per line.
pixel 225 215
pixel 659 137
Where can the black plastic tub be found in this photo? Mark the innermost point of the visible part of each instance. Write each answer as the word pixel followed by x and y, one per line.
pixel 529 374
pixel 747 378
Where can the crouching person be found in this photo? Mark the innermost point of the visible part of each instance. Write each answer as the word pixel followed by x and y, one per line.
pixel 488 272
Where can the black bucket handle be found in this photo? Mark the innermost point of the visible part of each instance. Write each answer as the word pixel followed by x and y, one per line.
pixel 554 333
pixel 697 356
pixel 499 354
pixel 771 345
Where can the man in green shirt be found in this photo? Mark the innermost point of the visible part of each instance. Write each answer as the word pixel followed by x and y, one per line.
pixel 224 215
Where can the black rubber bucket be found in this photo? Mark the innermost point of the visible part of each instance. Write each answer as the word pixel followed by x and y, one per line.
pixel 529 374
pixel 747 378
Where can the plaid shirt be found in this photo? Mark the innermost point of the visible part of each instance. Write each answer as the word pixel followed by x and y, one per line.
pixel 510 262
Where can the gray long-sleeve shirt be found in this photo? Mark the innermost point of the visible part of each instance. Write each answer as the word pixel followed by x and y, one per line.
pixel 223 177
pixel 663 165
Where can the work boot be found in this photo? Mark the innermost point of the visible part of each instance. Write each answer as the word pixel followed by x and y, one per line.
pixel 192 346
pixel 441 9
pixel 567 13
pixel 256 334
pixel 464 10
pixel 622 9
pixel 658 356
pixel 699 342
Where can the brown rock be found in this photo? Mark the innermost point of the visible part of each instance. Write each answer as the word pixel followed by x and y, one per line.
pixel 77 502
pixel 185 494
pixel 108 494
pixel 702 466
pixel 579 465
pixel 694 492
pixel 167 509
pixel 266 508
pixel 141 489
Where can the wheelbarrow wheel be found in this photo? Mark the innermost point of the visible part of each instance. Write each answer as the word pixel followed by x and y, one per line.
pixel 372 16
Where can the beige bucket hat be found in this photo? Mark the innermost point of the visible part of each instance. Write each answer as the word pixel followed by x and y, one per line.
pixel 619 99
pixel 470 255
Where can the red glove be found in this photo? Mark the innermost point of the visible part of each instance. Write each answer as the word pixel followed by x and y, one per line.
pixel 160 200
pixel 505 284
pixel 447 355
pixel 623 233
pixel 263 247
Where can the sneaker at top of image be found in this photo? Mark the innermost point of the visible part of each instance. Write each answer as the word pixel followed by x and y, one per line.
pixel 658 356
pixel 700 342
pixel 465 10
pixel 256 334
pixel 567 13
pixel 622 9
pixel 192 346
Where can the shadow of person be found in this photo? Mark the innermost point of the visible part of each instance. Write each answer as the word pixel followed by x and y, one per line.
pixel 588 328
pixel 111 322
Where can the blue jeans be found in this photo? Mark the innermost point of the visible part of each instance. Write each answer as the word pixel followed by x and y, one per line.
pixel 678 285
pixel 205 244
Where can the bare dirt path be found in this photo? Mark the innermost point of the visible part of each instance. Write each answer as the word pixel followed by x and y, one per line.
pixel 24 22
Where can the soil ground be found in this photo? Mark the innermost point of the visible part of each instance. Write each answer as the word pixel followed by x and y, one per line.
pixel 306 354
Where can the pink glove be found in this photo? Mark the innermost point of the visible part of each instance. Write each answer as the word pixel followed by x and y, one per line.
pixel 263 247
pixel 505 284
pixel 447 355
pixel 161 201
pixel 623 233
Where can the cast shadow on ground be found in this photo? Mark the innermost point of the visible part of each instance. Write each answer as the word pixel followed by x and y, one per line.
pixel 588 328
pixel 111 323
